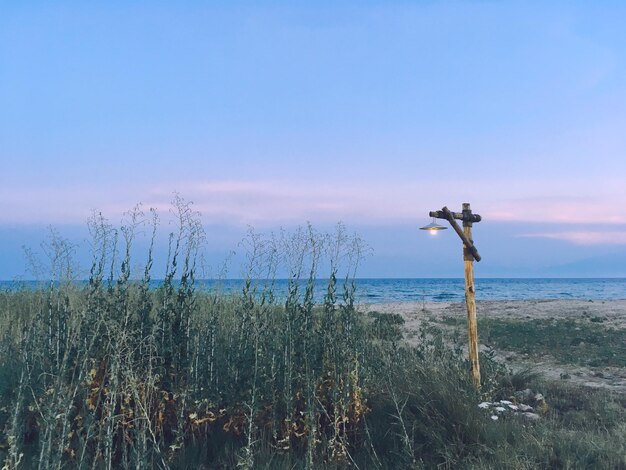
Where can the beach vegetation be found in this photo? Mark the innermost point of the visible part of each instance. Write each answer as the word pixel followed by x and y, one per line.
pixel 117 373
pixel 573 341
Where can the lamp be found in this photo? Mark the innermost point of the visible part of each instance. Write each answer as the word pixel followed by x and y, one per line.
pixel 433 226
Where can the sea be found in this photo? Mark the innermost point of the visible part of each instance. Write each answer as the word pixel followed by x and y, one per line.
pixel 425 290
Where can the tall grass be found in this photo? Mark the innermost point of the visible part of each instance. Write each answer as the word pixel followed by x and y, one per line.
pixel 116 374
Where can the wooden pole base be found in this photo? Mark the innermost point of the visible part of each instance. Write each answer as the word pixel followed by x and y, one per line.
pixel 472 326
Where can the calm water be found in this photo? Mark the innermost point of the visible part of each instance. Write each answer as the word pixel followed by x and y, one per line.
pixel 391 290
pixel 440 290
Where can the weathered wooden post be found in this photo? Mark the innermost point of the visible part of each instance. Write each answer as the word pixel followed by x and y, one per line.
pixel 470 296
pixel 470 253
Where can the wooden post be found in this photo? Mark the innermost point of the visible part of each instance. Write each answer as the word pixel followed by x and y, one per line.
pixel 470 253
pixel 470 296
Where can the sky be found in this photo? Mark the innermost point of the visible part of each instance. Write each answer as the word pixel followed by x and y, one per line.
pixel 271 114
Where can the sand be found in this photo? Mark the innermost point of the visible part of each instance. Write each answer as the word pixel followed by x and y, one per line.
pixel 612 314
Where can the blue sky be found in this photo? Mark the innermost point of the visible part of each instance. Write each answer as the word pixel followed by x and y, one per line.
pixel 371 113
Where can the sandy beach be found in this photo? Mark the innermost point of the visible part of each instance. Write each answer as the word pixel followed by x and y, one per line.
pixel 612 311
pixel 610 314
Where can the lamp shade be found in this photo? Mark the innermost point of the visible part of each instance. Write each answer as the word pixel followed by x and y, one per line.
pixel 433 226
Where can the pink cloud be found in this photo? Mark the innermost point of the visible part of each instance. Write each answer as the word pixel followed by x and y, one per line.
pixel 237 202
pixel 564 211
pixel 584 238
pixel 364 202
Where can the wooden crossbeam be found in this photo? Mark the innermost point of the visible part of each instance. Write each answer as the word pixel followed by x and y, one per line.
pixel 468 220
